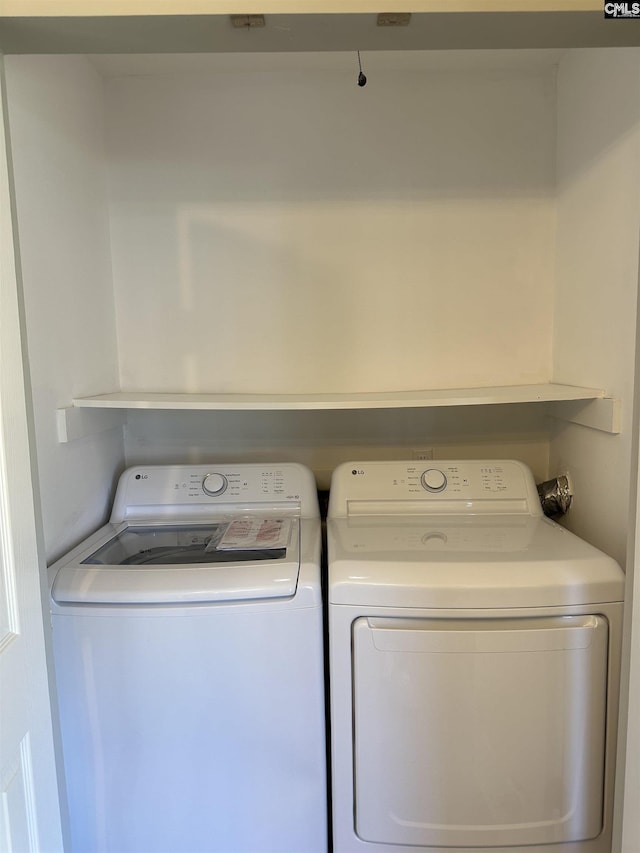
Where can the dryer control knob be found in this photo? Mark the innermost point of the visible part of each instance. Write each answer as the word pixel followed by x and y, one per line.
pixel 434 480
pixel 214 484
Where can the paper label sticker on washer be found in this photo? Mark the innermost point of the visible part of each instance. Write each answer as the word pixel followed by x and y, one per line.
pixel 247 533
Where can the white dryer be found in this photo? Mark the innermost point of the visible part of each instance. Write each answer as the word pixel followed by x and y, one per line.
pixel 189 664
pixel 474 663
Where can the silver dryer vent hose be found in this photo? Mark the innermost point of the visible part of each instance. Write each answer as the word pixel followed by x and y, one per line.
pixel 555 496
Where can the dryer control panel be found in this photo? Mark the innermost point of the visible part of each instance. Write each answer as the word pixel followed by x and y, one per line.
pixel 436 487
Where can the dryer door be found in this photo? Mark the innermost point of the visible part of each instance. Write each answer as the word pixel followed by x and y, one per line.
pixel 479 732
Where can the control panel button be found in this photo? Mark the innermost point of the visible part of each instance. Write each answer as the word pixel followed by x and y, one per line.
pixel 214 484
pixel 434 480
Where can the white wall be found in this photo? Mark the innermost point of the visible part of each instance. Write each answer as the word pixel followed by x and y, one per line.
pixel 597 277
pixel 323 440
pixel 285 230
pixel 56 126
pixel 280 228
pixel 595 325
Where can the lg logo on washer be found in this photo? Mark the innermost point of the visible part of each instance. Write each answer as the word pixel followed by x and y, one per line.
pixel 142 476
pixel 357 471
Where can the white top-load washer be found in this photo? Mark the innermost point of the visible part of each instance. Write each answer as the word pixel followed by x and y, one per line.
pixel 474 657
pixel 188 653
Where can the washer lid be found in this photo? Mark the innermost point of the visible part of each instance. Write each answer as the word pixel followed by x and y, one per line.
pixel 230 560
pixel 466 562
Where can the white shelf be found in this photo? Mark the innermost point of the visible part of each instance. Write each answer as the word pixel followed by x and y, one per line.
pixel 366 400
pixel 589 407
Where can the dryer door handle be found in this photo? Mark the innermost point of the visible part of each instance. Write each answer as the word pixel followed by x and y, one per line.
pixel 466 636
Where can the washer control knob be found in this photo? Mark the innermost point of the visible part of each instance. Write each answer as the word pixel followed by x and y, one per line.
pixel 214 484
pixel 434 480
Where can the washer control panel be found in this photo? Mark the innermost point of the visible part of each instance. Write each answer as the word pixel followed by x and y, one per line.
pixel 466 486
pixel 166 489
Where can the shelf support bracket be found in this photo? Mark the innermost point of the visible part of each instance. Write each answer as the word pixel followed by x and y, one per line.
pixel 603 414
pixel 73 423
